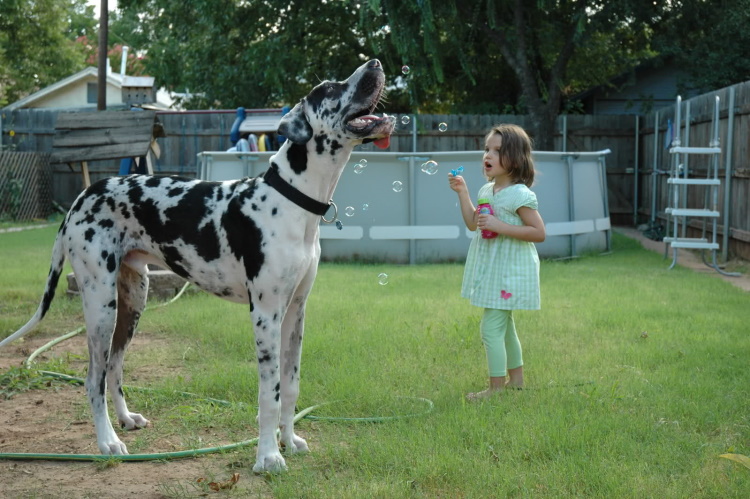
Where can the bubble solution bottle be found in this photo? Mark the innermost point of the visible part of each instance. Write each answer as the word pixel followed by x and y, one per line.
pixel 486 207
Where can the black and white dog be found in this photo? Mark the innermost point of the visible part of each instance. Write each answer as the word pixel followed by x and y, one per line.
pixel 253 241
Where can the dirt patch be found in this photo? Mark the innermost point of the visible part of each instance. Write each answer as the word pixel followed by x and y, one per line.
pixel 56 420
pixel 685 258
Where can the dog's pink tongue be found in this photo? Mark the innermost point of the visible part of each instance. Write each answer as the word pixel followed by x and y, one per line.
pixel 383 143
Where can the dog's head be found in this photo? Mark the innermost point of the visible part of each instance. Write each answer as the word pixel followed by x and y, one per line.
pixel 337 113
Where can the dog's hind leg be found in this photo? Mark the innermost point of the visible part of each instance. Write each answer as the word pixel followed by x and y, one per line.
pixel 132 292
pixel 98 293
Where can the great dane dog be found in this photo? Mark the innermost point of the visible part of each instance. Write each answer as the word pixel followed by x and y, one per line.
pixel 252 241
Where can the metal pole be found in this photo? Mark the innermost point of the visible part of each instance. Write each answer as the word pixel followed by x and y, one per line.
pixel 654 169
pixel 728 175
pixel 412 208
pixel 565 133
pixel 685 168
pixel 101 86
pixel 635 171
pixel 571 202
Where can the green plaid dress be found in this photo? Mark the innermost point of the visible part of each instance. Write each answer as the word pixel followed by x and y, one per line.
pixel 503 272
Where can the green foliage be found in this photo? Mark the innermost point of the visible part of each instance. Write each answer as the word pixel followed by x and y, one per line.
pixel 709 40
pixel 37 44
pixel 17 379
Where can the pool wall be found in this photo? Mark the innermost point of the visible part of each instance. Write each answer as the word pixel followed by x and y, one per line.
pixel 421 222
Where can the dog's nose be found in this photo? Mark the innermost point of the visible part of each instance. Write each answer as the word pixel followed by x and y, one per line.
pixel 373 64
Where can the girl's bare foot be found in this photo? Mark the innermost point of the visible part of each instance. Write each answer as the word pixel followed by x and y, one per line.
pixel 489 392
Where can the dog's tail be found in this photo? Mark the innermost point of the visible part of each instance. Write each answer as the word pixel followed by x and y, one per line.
pixel 55 269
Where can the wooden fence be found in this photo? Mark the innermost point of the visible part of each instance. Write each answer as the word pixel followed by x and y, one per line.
pixel 25 186
pixel 630 191
pixel 189 133
pixel 696 120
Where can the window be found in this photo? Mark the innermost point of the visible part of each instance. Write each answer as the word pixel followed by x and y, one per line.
pixel 91 93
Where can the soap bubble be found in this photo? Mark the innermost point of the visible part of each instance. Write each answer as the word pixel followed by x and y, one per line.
pixel 397 186
pixel 365 207
pixel 359 167
pixel 405 119
pixel 430 167
pixel 443 127
pixel 349 211
pixel 405 69
pixel 363 162
pixel 382 278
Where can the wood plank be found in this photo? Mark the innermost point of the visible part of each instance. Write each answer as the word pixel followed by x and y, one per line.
pixel 105 119
pixel 108 136
pixel 117 151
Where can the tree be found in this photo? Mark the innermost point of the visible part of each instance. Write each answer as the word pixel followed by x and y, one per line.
pixel 709 40
pixel 539 42
pixel 252 53
pixel 37 44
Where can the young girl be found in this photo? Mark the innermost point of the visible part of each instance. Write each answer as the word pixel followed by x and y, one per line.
pixel 502 273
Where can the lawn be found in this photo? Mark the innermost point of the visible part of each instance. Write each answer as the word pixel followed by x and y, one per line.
pixel 637 379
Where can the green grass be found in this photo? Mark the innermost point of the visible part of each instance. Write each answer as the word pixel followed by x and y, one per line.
pixel 609 411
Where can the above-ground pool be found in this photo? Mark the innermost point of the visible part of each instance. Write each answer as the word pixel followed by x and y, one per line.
pixel 394 211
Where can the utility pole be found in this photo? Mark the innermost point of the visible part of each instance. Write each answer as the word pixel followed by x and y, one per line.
pixel 101 85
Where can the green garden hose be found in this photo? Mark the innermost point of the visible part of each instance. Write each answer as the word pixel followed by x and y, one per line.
pixel 305 413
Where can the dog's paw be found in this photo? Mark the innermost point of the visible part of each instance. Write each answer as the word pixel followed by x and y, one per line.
pixel 271 463
pixel 133 421
pixel 296 446
pixel 113 448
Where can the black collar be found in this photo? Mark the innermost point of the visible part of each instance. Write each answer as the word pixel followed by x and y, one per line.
pixel 272 178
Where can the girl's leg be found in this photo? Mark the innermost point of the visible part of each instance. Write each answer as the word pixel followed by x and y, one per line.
pixel 493 328
pixel 514 354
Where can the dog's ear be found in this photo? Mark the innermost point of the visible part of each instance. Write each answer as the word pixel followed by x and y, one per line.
pixel 295 127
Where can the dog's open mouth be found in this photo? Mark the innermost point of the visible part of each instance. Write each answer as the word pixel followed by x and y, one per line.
pixel 375 128
pixel 372 128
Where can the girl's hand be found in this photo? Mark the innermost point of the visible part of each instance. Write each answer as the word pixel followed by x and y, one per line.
pixel 485 221
pixel 457 183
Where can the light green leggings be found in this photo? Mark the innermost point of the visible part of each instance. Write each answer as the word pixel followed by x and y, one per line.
pixel 500 341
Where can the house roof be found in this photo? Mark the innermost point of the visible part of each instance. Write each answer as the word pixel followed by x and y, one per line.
pixel 114 79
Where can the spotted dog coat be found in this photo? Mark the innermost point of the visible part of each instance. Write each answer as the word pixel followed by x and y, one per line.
pixel 242 240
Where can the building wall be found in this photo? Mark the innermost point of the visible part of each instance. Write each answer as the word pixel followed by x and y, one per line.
pixel 75 96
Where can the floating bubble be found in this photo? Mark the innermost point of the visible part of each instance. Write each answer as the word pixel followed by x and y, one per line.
pixel 405 69
pixel 430 167
pixel 443 127
pixel 405 119
pixel 349 211
pixel 363 162
pixel 397 186
pixel 359 168
pixel 365 207
pixel 382 278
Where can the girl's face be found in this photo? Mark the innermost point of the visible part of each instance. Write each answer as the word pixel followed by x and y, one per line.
pixel 491 158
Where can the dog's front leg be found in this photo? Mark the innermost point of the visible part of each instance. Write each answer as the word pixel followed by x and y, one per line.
pixel 267 342
pixel 292 332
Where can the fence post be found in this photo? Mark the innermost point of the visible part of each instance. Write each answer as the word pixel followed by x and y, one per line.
pixel 728 176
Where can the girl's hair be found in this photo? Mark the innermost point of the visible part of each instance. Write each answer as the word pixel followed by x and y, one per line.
pixel 515 153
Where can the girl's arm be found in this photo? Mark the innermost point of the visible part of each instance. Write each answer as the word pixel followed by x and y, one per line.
pixel 468 211
pixel 531 231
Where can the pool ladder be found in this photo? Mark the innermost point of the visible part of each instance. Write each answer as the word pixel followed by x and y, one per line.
pixel 678 214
